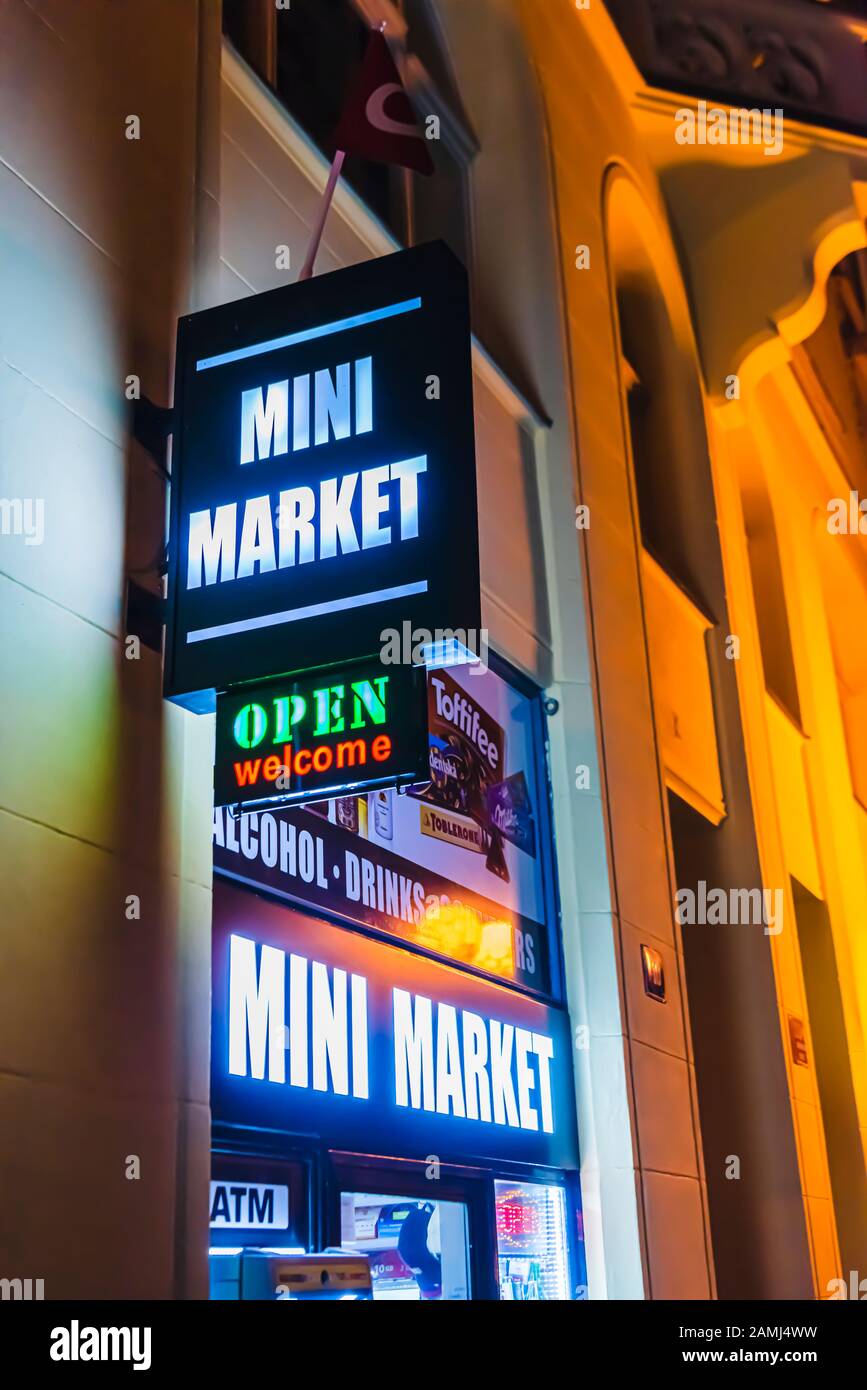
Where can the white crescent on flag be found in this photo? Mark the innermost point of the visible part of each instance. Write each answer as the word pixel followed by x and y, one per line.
pixel 376 114
pixel 378 121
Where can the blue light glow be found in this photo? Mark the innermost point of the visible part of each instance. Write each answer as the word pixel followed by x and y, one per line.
pixel 306 335
pixel 311 610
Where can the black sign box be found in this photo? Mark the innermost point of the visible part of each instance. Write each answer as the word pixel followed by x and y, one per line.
pixel 322 734
pixel 323 474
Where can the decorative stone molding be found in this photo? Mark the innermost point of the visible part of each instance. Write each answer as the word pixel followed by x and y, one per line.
pixel 726 223
pixel 812 62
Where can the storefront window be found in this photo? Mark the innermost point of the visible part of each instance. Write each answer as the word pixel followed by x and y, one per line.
pixel 324 1032
pixel 459 867
pixel 418 1250
pixel 532 1256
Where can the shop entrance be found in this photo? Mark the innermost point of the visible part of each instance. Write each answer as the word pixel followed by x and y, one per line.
pixel 429 1232
pixel 434 1234
pixel 391 1066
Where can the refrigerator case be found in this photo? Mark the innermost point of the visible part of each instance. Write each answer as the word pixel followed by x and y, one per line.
pixel 532 1245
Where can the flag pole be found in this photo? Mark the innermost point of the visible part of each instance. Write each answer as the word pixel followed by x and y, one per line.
pixel 327 196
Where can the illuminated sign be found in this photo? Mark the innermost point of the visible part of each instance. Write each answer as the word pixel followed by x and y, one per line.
pixel 256 1206
pixel 311 860
pixel 323 473
pixel 294 739
pixel 459 867
pixel 319 1030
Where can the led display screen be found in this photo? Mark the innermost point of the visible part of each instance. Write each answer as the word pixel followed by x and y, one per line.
pixel 323 474
pixel 309 736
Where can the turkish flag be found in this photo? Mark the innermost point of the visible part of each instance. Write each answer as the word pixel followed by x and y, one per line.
pixel 378 121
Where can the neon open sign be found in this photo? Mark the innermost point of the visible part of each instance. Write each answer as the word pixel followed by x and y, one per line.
pixel 323 474
pixel 318 735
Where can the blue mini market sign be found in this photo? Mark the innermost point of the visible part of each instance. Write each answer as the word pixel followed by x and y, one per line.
pixel 323 474
pixel 329 1033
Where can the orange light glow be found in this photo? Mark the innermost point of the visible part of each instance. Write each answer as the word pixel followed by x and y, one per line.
pixel 459 932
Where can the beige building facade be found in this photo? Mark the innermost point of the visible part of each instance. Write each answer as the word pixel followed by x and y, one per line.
pixel 635 517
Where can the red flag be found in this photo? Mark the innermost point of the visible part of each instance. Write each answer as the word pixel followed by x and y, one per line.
pixel 378 121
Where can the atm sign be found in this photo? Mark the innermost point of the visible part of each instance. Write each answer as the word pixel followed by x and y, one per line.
pixel 249 1206
pixel 320 735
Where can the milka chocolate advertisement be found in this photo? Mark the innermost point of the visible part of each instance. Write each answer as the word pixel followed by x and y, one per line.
pixel 453 867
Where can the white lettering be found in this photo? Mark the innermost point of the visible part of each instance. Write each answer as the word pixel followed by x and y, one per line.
pixel 407 474
pixel 256 1010
pixel 331 404
pixel 330 1035
pixel 505 1109
pixel 264 422
pixel 212 547
pixel 257 539
pixel 336 527
pixel 450 1089
pixel 373 504
pixel 475 1067
pixel 413 1051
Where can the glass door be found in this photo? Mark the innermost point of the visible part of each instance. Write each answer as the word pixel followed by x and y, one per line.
pixel 532 1245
